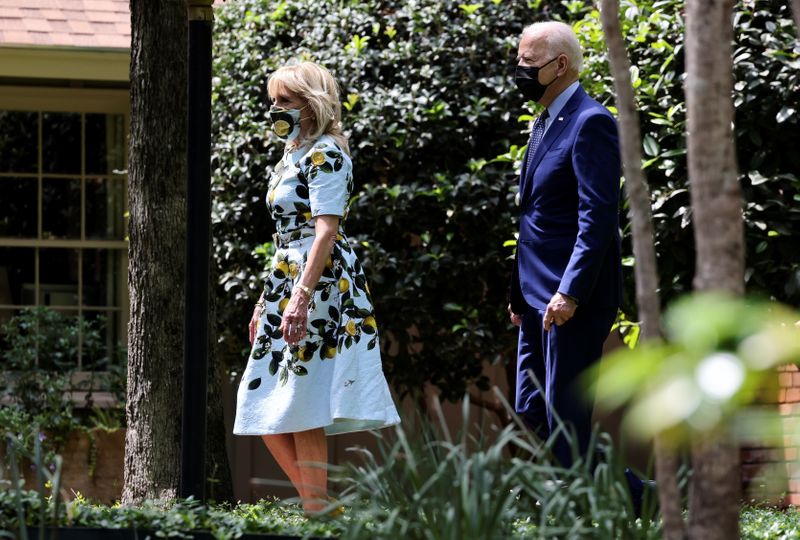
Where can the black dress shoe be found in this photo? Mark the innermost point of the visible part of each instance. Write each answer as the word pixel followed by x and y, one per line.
pixel 638 489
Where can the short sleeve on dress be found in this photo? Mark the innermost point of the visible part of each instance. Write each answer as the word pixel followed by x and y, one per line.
pixel 328 171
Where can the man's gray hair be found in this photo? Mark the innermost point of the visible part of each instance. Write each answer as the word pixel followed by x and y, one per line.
pixel 560 39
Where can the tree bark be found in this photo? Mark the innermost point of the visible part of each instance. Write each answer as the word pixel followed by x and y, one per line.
pixel 157 232
pixel 646 268
pixel 719 236
pixel 796 12
pixel 156 252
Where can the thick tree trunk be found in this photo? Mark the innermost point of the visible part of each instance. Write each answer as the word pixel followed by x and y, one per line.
pixel 646 269
pixel 157 232
pixel 719 236
pixel 796 12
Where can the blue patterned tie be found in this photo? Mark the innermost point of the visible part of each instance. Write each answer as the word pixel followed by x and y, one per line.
pixel 537 133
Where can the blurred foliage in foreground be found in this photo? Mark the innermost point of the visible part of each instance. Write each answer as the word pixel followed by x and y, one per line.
pixel 718 357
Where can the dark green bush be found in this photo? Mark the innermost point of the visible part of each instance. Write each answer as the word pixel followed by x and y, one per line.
pixel 430 105
pixel 429 102
pixel 39 353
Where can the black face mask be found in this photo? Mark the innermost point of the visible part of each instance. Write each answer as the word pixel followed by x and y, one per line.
pixel 527 80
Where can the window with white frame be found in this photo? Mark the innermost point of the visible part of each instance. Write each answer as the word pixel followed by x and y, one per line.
pixel 63 189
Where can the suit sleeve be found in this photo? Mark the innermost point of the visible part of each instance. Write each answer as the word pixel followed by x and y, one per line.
pixel 596 163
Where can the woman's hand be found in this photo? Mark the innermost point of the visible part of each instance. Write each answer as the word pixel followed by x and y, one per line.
pixel 295 317
pixel 254 322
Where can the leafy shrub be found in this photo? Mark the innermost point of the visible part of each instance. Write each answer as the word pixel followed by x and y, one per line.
pixel 766 57
pixel 435 129
pixel 769 523
pixel 429 103
pixel 39 353
pixel 175 519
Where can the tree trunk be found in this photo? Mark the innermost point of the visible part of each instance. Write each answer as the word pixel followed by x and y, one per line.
pixel 796 12
pixel 646 268
pixel 156 252
pixel 719 236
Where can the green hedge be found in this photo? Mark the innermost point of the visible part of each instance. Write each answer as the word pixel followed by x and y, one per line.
pixel 435 122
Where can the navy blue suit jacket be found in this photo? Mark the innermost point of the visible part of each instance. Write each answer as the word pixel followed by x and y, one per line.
pixel 569 203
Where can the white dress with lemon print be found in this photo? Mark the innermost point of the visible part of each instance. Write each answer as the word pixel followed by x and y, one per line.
pixel 333 378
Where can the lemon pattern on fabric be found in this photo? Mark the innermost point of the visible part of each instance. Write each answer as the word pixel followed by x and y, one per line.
pixel 333 377
pixel 281 128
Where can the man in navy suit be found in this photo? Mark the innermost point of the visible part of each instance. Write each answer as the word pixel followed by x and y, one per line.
pixel 566 283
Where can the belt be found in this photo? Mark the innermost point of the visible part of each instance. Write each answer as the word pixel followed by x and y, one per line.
pixel 281 239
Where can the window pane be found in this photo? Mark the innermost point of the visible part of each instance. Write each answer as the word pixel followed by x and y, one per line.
pixel 105 208
pixel 61 143
pixel 61 208
pixel 19 135
pixel 105 143
pixel 17 275
pixel 5 316
pixel 102 277
pixel 18 207
pixel 58 277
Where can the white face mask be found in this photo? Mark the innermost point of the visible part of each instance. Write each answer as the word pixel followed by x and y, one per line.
pixel 285 122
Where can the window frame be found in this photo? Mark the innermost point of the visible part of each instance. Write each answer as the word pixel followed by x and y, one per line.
pixel 59 99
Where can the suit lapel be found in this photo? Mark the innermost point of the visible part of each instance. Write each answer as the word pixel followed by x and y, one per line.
pixel 553 133
pixel 558 125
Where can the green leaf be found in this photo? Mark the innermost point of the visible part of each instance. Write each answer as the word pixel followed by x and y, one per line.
pixel 650 145
pixel 299 370
pixel 784 114
pixel 470 9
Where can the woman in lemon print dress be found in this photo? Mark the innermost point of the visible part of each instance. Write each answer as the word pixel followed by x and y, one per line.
pixel 315 366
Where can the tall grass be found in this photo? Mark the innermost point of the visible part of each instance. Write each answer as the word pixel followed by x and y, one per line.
pixel 425 483
pixel 45 479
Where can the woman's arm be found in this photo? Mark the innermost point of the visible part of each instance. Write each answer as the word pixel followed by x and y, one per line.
pixel 295 315
pixel 259 307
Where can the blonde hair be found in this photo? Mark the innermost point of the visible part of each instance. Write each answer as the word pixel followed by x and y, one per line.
pixel 317 87
pixel 559 38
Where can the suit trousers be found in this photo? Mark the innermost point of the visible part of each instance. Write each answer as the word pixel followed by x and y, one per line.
pixel 556 360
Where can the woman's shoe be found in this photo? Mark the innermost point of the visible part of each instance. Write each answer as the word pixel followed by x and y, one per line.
pixel 332 511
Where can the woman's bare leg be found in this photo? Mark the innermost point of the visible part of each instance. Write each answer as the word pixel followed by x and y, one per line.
pixel 312 459
pixel 282 448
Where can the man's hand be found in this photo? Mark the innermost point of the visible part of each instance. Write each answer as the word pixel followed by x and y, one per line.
pixel 516 320
pixel 560 309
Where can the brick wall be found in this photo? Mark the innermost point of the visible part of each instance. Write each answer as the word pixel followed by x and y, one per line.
pixel 771 473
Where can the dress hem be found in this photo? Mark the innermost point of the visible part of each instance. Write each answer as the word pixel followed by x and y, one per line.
pixel 361 424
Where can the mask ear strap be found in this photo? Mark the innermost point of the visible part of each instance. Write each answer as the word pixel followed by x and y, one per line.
pixel 307 105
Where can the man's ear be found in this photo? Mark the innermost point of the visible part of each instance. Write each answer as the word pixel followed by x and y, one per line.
pixel 563 63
